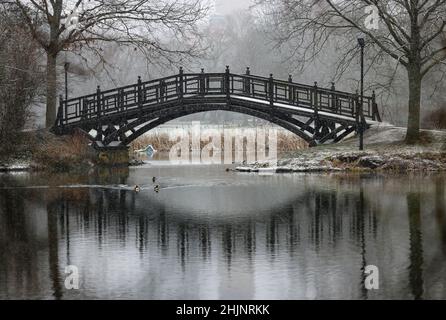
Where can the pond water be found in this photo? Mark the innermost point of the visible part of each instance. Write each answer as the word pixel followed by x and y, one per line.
pixel 212 234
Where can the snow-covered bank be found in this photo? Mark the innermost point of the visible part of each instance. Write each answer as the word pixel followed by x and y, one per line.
pixel 15 167
pixel 385 150
pixel 19 161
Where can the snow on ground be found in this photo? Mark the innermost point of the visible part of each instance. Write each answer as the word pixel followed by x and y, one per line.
pixel 384 148
pixel 388 138
pixel 15 166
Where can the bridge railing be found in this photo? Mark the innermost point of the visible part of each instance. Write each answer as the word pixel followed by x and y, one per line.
pixel 156 93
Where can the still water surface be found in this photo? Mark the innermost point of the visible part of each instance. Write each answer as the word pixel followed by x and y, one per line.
pixel 212 234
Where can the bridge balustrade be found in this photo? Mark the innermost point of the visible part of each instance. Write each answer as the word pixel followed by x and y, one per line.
pixel 183 86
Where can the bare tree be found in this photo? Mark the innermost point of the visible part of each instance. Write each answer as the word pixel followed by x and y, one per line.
pixel 406 31
pixel 20 79
pixel 76 25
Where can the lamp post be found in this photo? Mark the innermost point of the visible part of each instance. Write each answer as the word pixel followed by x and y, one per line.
pixel 66 66
pixel 361 42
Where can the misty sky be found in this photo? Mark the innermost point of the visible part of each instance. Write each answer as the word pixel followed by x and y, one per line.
pixel 227 6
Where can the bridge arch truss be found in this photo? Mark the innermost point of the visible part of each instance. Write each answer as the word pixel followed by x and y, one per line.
pixel 120 115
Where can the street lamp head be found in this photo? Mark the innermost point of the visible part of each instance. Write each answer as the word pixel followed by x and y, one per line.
pixel 361 39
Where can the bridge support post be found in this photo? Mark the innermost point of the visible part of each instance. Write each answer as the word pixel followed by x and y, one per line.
pixel 121 106
pixel 227 88
pixel 140 102
pixel 290 89
pixel 271 90
pixel 317 123
pixel 202 82
pixel 247 83
pixel 84 111
pixel 162 92
pixel 98 114
pixel 180 84
pixel 334 100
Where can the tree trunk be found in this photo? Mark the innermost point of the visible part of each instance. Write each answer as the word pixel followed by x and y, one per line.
pixel 51 90
pixel 413 122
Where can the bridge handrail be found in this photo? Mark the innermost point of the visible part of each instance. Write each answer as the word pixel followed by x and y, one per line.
pixel 216 74
pixel 172 87
pixel 297 84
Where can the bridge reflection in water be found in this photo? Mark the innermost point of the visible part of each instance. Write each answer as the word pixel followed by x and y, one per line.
pixel 310 239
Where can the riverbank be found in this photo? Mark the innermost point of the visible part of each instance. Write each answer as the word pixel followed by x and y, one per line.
pixel 384 150
pixel 41 150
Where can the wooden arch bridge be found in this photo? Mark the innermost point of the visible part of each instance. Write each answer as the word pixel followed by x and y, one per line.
pixel 116 117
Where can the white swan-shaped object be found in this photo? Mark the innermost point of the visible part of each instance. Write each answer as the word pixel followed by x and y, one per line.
pixel 149 150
